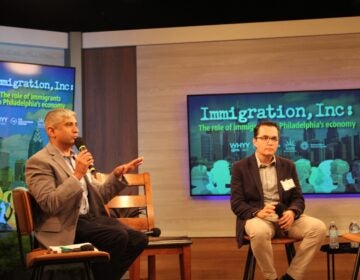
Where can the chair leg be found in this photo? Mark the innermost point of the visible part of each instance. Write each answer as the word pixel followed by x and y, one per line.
pixel 33 274
pixel 356 267
pixel 20 243
pixel 88 271
pixel 185 263
pixel 151 268
pixel 250 265
pixel 37 273
pixel 134 270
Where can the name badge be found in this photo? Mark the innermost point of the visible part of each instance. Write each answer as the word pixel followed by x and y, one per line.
pixel 287 184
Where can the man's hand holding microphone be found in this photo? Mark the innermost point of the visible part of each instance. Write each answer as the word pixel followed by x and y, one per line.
pixel 284 217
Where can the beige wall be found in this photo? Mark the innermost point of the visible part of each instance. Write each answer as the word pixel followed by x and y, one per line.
pixel 168 72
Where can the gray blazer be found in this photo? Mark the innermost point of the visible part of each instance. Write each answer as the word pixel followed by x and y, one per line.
pixel 247 194
pixel 58 195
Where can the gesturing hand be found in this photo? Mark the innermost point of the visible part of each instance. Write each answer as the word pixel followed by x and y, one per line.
pixel 126 167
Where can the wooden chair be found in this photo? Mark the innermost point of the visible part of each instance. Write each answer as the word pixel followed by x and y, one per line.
pixel 249 272
pixel 38 259
pixel 354 237
pixel 144 221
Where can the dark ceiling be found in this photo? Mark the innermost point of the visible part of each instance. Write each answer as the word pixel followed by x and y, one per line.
pixel 105 15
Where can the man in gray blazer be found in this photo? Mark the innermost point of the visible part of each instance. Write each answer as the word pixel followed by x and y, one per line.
pixel 70 200
pixel 258 184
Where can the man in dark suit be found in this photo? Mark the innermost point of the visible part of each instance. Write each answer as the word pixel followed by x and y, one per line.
pixel 71 200
pixel 258 184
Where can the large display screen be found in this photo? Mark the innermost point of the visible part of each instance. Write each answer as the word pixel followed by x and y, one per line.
pixel 319 131
pixel 27 93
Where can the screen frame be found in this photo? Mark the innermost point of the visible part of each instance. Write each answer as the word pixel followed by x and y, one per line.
pixel 47 74
pixel 239 94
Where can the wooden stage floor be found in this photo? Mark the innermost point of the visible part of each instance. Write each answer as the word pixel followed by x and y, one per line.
pixel 220 259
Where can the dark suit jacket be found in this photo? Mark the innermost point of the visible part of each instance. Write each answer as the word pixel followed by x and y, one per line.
pixel 58 195
pixel 247 194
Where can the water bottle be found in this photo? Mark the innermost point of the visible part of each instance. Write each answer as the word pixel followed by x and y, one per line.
pixel 354 228
pixel 333 236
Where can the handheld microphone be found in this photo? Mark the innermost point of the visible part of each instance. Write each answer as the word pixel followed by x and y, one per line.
pixel 85 247
pixel 80 145
pixel 280 208
pixel 154 232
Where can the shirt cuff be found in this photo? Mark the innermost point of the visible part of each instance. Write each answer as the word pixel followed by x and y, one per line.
pixel 296 212
pixel 122 180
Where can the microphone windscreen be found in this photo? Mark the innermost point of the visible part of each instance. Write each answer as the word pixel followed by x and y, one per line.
pixel 87 247
pixel 155 232
pixel 279 209
pixel 80 143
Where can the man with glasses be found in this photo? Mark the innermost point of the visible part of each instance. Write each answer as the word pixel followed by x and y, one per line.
pixel 266 197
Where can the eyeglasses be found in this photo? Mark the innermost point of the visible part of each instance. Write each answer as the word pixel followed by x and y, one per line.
pixel 267 139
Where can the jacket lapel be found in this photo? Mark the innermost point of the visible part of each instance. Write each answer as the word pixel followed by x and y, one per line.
pixel 58 158
pixel 279 173
pixel 254 171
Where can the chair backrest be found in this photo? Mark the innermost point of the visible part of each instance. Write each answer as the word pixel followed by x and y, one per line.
pixel 22 201
pixel 143 220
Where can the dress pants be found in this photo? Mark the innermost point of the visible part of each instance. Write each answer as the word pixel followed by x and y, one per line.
pixel 312 231
pixel 107 234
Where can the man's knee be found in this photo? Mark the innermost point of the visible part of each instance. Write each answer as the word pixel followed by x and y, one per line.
pixel 321 229
pixel 260 234
pixel 317 229
pixel 138 240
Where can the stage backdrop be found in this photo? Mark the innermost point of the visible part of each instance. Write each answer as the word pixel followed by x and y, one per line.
pixel 168 73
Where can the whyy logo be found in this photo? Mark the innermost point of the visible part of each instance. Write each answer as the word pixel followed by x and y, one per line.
pixel 236 147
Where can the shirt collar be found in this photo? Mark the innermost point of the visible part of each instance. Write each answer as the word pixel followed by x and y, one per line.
pixel 263 165
pixel 72 154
